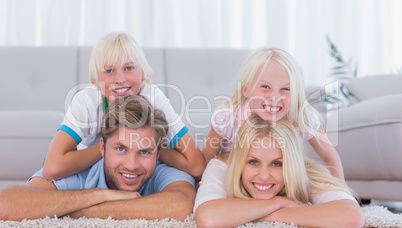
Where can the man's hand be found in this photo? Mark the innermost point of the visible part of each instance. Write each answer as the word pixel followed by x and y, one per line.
pixel 112 195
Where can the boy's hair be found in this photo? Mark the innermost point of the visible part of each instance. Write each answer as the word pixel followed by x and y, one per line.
pixel 300 110
pixel 111 48
pixel 300 174
pixel 134 112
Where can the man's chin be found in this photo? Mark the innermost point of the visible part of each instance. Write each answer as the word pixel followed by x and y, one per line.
pixel 129 188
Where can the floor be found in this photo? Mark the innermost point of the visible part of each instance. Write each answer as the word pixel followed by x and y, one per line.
pixel 394 206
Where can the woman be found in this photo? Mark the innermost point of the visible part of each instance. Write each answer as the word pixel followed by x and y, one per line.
pixel 266 178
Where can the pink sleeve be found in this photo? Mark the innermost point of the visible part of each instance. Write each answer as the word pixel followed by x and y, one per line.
pixel 313 126
pixel 222 121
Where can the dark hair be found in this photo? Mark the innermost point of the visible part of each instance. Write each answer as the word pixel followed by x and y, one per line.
pixel 134 112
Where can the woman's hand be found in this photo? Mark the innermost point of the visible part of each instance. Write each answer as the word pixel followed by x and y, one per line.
pixel 285 202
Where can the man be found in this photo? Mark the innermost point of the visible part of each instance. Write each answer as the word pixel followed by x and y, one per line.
pixel 127 183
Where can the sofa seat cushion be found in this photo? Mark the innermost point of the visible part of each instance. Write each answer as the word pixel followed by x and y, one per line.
pixel 368 136
pixel 25 137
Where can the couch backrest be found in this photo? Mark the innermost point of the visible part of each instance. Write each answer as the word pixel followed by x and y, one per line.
pixel 36 78
pixel 373 86
pixel 199 80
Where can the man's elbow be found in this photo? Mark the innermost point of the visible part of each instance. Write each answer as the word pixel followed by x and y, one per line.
pixel 185 210
pixel 5 210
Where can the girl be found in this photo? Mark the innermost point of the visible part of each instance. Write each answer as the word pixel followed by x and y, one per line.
pixel 118 68
pixel 271 86
pixel 268 179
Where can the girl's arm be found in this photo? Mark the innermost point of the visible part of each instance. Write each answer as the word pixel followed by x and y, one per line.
pixel 64 160
pixel 235 212
pixel 186 156
pixel 323 147
pixel 212 145
pixel 338 213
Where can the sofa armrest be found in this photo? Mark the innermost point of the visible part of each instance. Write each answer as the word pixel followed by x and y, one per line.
pixel 25 137
pixel 368 136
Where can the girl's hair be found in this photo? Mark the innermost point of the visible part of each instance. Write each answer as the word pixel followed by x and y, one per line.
pixel 300 174
pixel 111 48
pixel 300 110
pixel 134 112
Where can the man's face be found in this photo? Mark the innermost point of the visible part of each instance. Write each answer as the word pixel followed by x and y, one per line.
pixel 130 158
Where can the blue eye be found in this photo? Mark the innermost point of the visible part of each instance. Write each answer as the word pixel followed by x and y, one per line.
pixel 286 89
pixel 277 164
pixel 109 71
pixel 253 162
pixel 121 149
pixel 144 152
pixel 129 68
pixel 265 86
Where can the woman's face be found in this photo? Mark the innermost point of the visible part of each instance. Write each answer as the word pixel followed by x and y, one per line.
pixel 262 174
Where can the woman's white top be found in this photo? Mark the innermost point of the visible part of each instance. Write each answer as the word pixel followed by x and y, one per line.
pixel 213 186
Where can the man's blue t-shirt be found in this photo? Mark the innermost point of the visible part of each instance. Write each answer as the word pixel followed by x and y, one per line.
pixel 94 177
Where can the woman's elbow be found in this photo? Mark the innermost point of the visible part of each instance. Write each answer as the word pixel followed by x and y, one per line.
pixel 205 218
pixel 353 219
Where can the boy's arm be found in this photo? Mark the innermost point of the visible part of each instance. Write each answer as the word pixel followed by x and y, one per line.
pixel 64 160
pixel 323 147
pixel 338 213
pixel 175 201
pixel 40 198
pixel 186 156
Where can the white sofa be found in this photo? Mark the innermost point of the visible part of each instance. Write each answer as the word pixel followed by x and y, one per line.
pixel 38 83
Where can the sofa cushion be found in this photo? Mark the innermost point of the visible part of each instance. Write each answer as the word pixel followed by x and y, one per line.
pixel 36 77
pixel 25 138
pixel 368 136
pixel 375 86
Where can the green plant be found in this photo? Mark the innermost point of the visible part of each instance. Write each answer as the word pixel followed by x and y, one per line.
pixel 343 72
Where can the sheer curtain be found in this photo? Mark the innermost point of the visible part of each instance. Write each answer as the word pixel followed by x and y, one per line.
pixel 368 31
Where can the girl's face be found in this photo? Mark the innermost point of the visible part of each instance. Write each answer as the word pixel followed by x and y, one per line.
pixel 121 79
pixel 270 99
pixel 262 174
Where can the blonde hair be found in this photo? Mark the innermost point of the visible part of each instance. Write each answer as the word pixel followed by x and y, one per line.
pixel 300 174
pixel 300 110
pixel 111 48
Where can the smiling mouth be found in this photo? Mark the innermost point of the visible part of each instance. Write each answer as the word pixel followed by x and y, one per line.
pixel 263 187
pixel 122 90
pixel 129 175
pixel 270 108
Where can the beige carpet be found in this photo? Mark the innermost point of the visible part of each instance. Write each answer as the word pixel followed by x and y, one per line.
pixel 375 216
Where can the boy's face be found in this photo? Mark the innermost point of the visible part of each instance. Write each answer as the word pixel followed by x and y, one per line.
pixel 130 158
pixel 121 79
